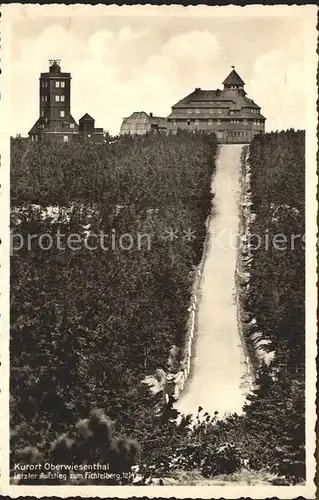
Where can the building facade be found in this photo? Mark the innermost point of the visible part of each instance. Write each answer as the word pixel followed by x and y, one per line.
pixel 56 122
pixel 88 131
pixel 140 122
pixel 229 112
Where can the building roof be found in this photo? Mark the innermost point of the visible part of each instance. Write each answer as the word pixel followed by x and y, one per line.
pixel 233 78
pixel 142 116
pixel 218 98
pixel 206 115
pixel 37 127
pixel 42 126
pixel 231 102
pixel 86 117
pixel 159 121
pixel 140 122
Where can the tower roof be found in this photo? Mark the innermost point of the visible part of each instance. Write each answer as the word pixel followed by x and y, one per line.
pixel 233 78
pixel 86 117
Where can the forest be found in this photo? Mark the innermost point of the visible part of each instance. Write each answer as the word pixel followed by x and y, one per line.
pixel 88 325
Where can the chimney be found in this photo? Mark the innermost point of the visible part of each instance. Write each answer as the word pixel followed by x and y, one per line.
pixel 197 89
pixel 151 115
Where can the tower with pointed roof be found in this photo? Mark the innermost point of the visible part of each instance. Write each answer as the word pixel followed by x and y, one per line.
pixel 229 113
pixel 233 81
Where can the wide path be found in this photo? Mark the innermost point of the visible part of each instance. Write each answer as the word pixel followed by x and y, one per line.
pixel 218 379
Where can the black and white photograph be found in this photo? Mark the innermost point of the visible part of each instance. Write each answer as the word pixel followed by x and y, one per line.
pixel 159 167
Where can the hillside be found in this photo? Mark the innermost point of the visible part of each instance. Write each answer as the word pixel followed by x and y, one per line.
pixel 88 325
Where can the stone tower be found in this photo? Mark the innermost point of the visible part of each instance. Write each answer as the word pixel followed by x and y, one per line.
pixel 55 121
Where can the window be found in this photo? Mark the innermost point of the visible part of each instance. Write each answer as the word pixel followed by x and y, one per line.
pixel 212 111
pixel 219 110
pixel 197 111
pixel 245 121
pixel 62 85
pixel 218 122
pixel 65 138
pixel 62 113
pixel 71 125
pixel 189 111
pixel 188 122
pixel 210 122
pixel 42 98
pixel 57 98
pixel 89 135
pixel 57 84
pixel 62 98
pixel 219 135
pixel 196 122
pixel 42 113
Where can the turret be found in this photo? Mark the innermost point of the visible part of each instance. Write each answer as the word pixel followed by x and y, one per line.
pixel 233 81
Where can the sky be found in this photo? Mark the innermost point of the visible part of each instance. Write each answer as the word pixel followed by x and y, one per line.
pixel 143 58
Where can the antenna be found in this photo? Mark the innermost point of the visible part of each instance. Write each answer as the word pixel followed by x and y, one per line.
pixel 54 61
pixel 232 67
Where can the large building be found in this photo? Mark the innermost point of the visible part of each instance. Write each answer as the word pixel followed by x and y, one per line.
pixel 56 122
pixel 140 122
pixel 229 112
